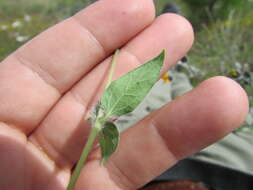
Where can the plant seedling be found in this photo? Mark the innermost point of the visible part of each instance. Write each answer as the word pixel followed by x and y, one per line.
pixel 120 97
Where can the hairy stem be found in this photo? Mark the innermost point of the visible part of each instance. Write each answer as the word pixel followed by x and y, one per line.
pixel 91 139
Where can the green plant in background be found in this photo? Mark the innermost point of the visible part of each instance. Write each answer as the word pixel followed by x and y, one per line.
pixel 21 20
pixel 224 46
pixel 67 8
pixel 204 11
pixel 201 12
pixel 121 96
pixel 15 31
pixel 184 8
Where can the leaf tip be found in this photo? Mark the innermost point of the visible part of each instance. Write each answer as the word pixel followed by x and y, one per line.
pixel 163 54
pixel 161 57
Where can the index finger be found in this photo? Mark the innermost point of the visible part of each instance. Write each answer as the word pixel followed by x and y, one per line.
pixel 35 76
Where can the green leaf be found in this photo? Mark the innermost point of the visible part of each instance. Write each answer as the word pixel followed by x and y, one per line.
pixel 126 93
pixel 108 140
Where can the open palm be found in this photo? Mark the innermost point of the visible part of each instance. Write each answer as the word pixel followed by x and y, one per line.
pixel 49 85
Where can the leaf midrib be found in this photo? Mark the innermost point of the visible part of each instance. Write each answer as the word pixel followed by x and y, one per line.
pixel 123 94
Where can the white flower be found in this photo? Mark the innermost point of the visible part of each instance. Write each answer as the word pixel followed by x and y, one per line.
pixel 16 24
pixel 4 27
pixel 27 18
pixel 21 38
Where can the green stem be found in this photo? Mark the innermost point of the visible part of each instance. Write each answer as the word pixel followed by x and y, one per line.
pixel 92 137
pixel 112 68
pixel 93 134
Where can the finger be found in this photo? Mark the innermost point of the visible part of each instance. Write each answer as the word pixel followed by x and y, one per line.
pixel 186 125
pixel 24 166
pixel 63 133
pixel 35 76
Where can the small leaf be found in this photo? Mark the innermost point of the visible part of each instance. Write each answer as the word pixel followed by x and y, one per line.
pixel 126 93
pixel 108 140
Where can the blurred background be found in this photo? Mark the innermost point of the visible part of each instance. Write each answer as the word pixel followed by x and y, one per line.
pixel 223 29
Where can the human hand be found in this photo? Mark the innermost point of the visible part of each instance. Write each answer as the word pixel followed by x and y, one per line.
pixel 49 85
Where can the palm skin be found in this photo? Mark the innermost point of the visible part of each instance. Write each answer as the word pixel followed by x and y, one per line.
pixel 49 85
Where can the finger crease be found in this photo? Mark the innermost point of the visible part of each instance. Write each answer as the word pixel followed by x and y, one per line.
pixel 39 71
pixel 128 184
pixel 138 61
pixel 154 124
pixel 77 97
pixel 91 34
